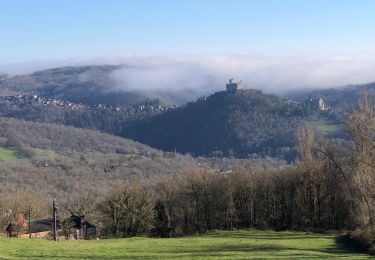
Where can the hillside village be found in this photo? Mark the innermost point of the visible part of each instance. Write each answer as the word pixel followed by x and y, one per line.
pixel 34 99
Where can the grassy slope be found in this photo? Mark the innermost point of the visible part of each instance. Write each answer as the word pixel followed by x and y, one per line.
pixel 215 245
pixel 7 154
pixel 327 126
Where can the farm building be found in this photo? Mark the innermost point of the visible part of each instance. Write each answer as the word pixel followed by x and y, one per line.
pixel 40 228
pixel 74 227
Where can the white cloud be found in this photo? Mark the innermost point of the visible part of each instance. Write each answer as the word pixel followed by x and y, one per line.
pixel 271 72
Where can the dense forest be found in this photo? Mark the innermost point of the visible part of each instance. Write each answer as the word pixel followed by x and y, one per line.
pixel 225 124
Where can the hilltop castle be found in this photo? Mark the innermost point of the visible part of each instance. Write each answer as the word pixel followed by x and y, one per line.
pixel 234 86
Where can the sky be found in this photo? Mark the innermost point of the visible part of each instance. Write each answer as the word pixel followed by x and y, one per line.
pixel 49 33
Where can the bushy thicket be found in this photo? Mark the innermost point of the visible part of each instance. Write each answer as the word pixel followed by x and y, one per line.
pixel 362 240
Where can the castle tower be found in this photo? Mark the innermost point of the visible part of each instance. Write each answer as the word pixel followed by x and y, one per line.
pixel 234 86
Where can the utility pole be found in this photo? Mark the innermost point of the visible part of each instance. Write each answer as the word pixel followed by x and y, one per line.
pixel 29 213
pixel 54 220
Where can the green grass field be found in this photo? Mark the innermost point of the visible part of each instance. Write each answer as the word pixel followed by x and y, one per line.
pixel 214 245
pixel 327 126
pixel 7 154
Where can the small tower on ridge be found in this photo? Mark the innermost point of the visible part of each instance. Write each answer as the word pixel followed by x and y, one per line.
pixel 234 86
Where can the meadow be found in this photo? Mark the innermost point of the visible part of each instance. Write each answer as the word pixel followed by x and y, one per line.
pixel 327 126
pixel 214 245
pixel 8 154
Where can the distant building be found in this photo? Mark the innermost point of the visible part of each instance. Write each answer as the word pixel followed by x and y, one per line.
pixel 234 86
pixel 74 227
pixel 321 105
pixel 315 103
pixel 40 228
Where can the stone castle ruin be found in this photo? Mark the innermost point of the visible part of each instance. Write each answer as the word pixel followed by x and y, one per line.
pixel 234 86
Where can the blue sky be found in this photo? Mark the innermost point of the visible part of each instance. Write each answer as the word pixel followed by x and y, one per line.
pixel 48 29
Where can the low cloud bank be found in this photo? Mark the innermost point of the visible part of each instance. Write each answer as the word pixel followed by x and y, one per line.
pixel 276 73
pixel 272 73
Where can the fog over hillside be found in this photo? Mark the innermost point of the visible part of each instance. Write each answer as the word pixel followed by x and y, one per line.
pixel 204 74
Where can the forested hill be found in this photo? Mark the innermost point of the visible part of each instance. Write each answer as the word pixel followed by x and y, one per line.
pixel 64 139
pixel 82 84
pixel 225 124
pixel 55 159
